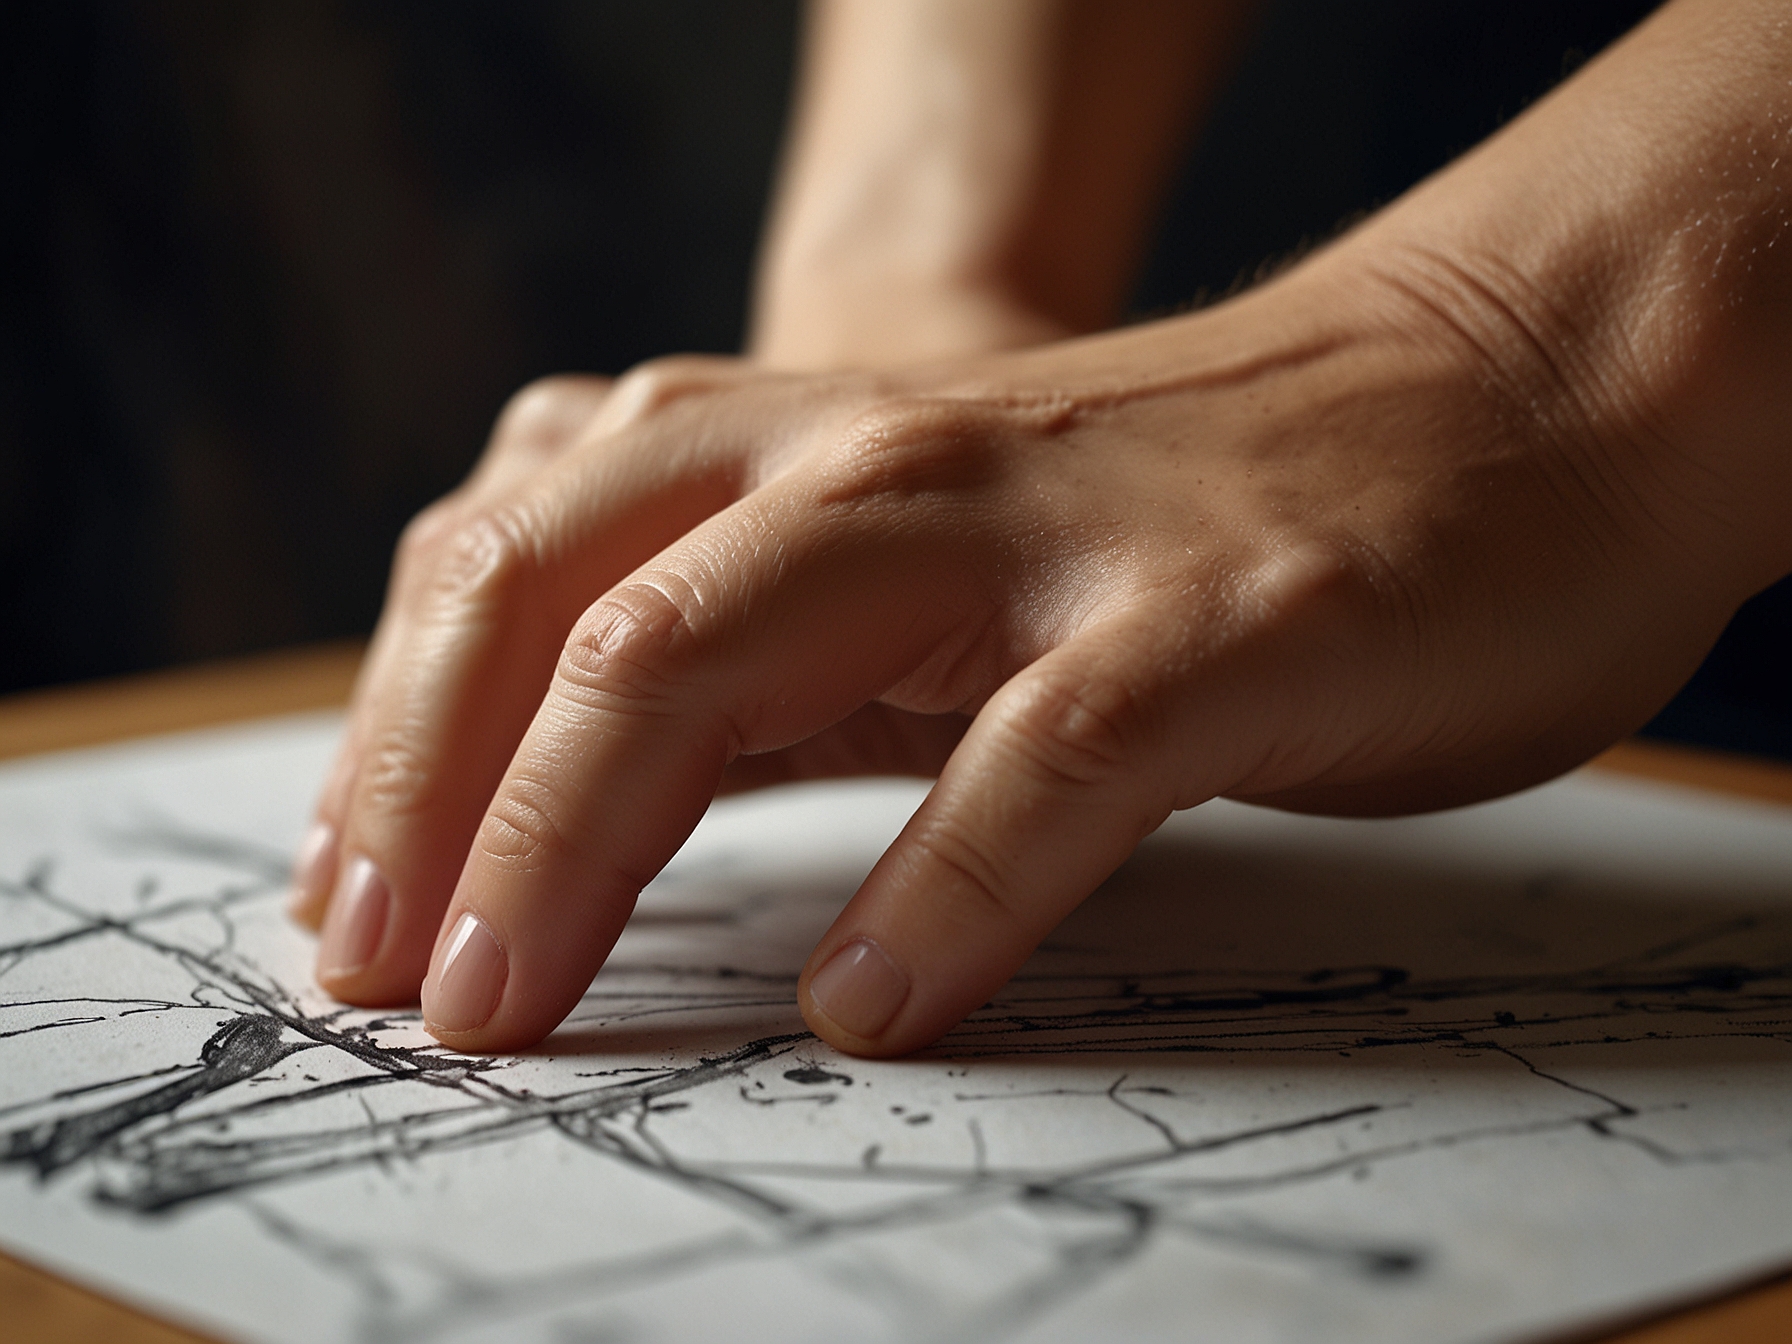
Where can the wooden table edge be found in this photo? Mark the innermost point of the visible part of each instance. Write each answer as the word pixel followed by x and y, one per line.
pixel 39 1305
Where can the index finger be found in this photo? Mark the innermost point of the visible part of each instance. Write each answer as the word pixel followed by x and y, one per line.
pixel 773 621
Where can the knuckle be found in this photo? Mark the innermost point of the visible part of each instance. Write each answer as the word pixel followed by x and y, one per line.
pixel 626 653
pixel 650 388
pixel 396 775
pixel 479 564
pixel 423 535
pixel 1333 595
pixel 521 830
pixel 1075 730
pixel 979 878
pixel 1296 580
pixel 545 411
pixel 903 447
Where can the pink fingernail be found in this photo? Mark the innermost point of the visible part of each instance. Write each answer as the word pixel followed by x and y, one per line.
pixel 313 866
pixel 359 910
pixel 859 988
pixel 471 982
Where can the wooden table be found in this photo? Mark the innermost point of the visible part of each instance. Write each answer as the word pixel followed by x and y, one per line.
pixel 41 1308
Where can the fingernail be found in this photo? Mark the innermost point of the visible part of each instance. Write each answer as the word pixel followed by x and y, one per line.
pixel 859 988
pixel 472 980
pixel 356 922
pixel 313 866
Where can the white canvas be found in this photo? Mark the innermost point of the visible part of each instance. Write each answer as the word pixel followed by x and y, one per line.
pixel 1482 1076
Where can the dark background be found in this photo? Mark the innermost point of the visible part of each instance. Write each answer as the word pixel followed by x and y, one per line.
pixel 270 269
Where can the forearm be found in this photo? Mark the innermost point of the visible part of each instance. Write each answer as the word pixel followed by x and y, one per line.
pixel 1621 254
pixel 966 177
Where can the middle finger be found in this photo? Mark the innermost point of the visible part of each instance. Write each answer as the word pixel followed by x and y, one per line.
pixel 482 602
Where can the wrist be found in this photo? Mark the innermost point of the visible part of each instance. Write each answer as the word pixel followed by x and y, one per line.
pixel 821 321
pixel 1618 266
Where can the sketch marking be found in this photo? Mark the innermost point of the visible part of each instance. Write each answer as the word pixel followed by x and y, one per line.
pixel 1100 1112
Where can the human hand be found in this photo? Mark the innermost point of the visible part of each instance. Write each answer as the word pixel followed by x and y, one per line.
pixel 1298 550
pixel 1435 515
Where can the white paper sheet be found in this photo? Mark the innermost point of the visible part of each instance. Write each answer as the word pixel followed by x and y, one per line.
pixel 1478 1076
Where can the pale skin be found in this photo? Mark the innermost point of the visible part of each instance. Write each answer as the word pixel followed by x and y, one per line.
pixel 1436 514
